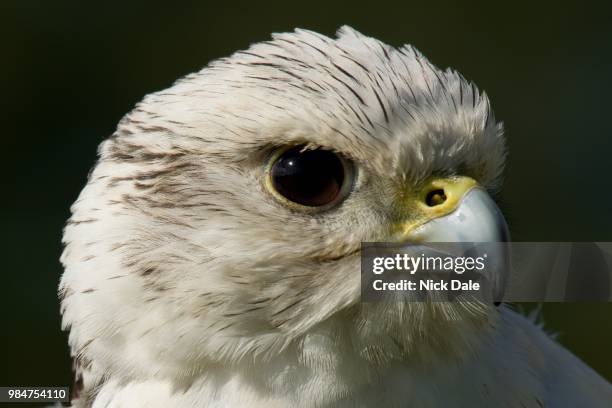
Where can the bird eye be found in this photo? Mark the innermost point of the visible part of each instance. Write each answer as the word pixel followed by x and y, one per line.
pixel 311 178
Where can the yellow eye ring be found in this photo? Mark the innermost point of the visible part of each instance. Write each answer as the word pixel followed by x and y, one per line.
pixel 307 179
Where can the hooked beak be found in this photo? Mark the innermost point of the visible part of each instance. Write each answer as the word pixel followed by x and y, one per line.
pixel 458 210
pixel 454 210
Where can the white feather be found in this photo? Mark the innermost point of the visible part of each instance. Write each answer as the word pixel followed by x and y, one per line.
pixel 187 284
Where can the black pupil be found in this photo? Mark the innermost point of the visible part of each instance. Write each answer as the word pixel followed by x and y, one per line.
pixel 309 177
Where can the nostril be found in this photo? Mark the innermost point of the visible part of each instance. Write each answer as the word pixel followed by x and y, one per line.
pixel 435 197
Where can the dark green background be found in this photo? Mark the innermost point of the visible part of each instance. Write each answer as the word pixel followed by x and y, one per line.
pixel 70 70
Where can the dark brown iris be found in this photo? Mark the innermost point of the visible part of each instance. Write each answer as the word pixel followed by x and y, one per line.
pixel 312 178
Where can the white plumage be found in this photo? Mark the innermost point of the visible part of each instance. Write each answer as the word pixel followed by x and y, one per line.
pixel 188 284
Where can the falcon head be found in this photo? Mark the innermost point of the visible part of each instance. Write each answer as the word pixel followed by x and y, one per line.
pixel 222 223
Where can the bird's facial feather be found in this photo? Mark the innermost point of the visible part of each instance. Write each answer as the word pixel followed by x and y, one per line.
pixel 178 243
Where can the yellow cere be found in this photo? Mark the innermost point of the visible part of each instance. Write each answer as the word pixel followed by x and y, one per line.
pixel 435 198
